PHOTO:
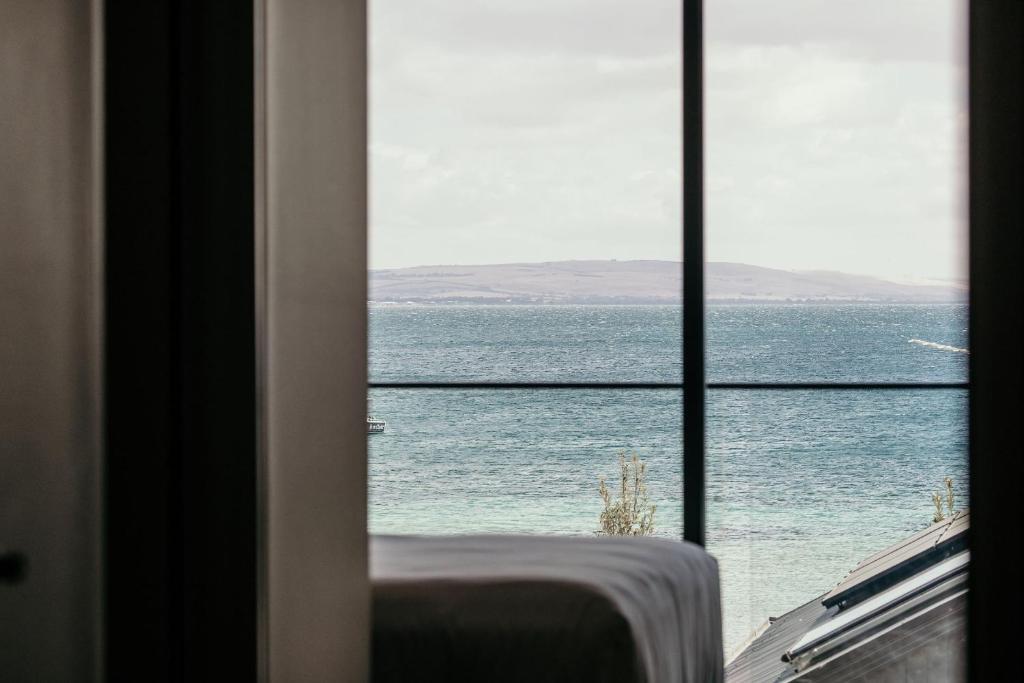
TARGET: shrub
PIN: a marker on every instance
(631, 514)
(938, 500)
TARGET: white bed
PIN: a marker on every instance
(542, 608)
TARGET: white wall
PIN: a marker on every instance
(311, 80)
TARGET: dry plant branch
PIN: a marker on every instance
(631, 514)
(947, 501)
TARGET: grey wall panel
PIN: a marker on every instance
(49, 339)
(314, 129)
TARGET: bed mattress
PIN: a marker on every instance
(536, 608)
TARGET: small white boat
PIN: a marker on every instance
(375, 425)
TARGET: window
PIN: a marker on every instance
(835, 143)
(527, 193)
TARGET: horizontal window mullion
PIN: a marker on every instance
(524, 385)
(750, 386)
(833, 386)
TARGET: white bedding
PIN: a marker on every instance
(536, 608)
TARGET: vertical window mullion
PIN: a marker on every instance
(693, 273)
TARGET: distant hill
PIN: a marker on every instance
(639, 282)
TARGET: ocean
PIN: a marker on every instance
(801, 484)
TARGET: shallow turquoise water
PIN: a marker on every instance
(801, 484)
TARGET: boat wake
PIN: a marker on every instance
(940, 347)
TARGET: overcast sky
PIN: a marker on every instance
(540, 130)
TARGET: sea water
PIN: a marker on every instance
(801, 484)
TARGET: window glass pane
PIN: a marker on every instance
(836, 175)
(524, 156)
(518, 461)
(803, 485)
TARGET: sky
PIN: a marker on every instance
(542, 130)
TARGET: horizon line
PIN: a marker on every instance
(962, 280)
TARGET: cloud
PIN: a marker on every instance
(530, 131)
(899, 30)
(592, 28)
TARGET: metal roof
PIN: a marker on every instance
(762, 661)
(897, 562)
(903, 602)
(903, 592)
(921, 639)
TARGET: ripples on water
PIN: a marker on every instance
(801, 484)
